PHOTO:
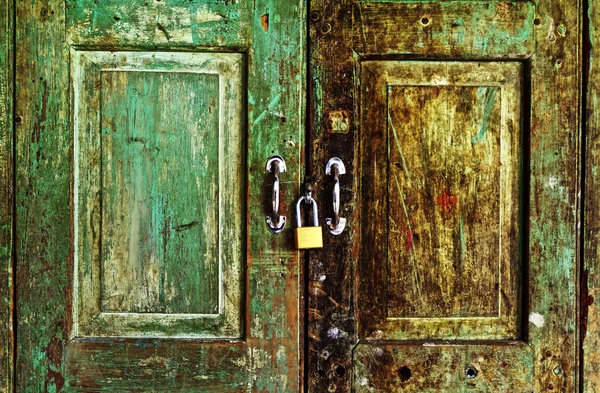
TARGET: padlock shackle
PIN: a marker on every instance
(313, 203)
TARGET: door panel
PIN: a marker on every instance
(144, 260)
(458, 125)
(443, 149)
(162, 205)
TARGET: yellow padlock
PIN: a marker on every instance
(308, 237)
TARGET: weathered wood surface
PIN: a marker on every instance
(444, 29)
(590, 280)
(6, 196)
(158, 367)
(545, 34)
(270, 34)
(176, 23)
(554, 190)
(445, 367)
(442, 146)
(160, 193)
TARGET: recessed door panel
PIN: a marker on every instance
(443, 148)
(160, 190)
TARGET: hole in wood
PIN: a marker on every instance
(404, 373)
(340, 371)
(471, 372)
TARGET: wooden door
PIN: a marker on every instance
(142, 133)
(458, 125)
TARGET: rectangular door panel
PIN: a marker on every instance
(443, 150)
(160, 190)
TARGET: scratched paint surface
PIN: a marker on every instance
(139, 134)
(443, 193)
(545, 37)
(443, 146)
(161, 192)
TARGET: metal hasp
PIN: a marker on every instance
(335, 167)
(275, 222)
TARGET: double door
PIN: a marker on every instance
(147, 255)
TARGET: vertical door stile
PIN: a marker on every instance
(590, 280)
(6, 196)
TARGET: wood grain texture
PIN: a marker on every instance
(175, 367)
(6, 196)
(555, 147)
(443, 149)
(159, 179)
(448, 29)
(266, 357)
(546, 36)
(590, 281)
(443, 368)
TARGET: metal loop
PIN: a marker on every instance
(336, 195)
(275, 222)
(315, 211)
(335, 167)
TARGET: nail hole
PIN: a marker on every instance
(18, 119)
(559, 62)
(315, 16)
(283, 119)
(471, 372)
(340, 371)
(557, 370)
(550, 387)
(116, 18)
(537, 21)
(548, 354)
(404, 373)
(326, 28)
(425, 20)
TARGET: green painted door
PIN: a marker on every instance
(142, 257)
(458, 126)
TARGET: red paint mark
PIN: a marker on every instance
(446, 201)
(409, 240)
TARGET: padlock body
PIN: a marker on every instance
(309, 237)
